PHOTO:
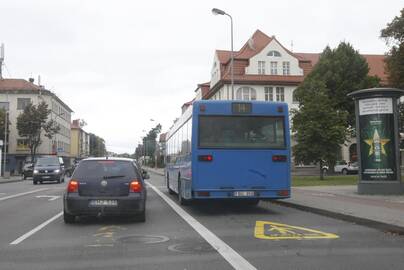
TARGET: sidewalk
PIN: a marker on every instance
(385, 213)
(382, 212)
(10, 179)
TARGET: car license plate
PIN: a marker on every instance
(45, 177)
(243, 193)
(103, 203)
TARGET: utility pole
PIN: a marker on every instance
(1, 60)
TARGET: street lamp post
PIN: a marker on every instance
(5, 141)
(217, 11)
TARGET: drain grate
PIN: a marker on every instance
(143, 239)
(191, 248)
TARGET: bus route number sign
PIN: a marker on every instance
(241, 108)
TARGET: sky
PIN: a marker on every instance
(119, 64)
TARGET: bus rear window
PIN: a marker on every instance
(241, 132)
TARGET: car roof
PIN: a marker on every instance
(109, 158)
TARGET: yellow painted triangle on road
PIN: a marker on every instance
(278, 231)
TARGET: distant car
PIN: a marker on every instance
(27, 170)
(49, 168)
(343, 167)
(105, 186)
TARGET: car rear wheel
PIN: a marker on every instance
(35, 182)
(67, 218)
(141, 217)
(24, 176)
(345, 171)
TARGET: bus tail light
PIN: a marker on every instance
(279, 158)
(203, 193)
(135, 186)
(73, 186)
(283, 193)
(205, 158)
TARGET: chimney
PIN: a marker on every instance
(31, 80)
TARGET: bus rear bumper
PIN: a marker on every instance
(241, 194)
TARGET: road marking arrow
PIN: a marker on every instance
(50, 197)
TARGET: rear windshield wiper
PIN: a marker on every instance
(113, 176)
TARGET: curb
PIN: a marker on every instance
(152, 171)
(10, 181)
(381, 226)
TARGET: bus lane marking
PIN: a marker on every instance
(278, 231)
(229, 254)
(36, 229)
(22, 194)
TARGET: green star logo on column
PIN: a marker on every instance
(377, 139)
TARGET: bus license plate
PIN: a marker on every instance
(243, 193)
(103, 203)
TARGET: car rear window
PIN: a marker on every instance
(105, 169)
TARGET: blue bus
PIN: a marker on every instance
(229, 150)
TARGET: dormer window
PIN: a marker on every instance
(274, 53)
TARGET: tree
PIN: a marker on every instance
(343, 70)
(394, 37)
(318, 128)
(33, 122)
(2, 124)
(97, 146)
(150, 142)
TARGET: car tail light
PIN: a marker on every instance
(279, 158)
(73, 186)
(135, 186)
(205, 158)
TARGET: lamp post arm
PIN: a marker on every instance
(231, 57)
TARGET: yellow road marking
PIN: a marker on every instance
(278, 231)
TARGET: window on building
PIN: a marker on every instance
(261, 67)
(246, 93)
(274, 68)
(294, 99)
(22, 103)
(22, 145)
(4, 106)
(268, 93)
(280, 94)
(274, 53)
(286, 68)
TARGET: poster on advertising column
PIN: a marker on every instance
(377, 139)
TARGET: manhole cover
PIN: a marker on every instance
(143, 239)
(191, 248)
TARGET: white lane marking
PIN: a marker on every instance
(50, 197)
(229, 254)
(22, 194)
(36, 229)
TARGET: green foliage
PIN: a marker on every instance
(148, 148)
(343, 70)
(326, 115)
(334, 180)
(97, 146)
(33, 122)
(394, 37)
(2, 124)
(318, 128)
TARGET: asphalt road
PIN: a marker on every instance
(207, 235)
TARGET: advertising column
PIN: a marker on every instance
(378, 140)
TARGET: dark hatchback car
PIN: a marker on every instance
(48, 169)
(105, 186)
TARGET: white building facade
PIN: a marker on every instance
(15, 95)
